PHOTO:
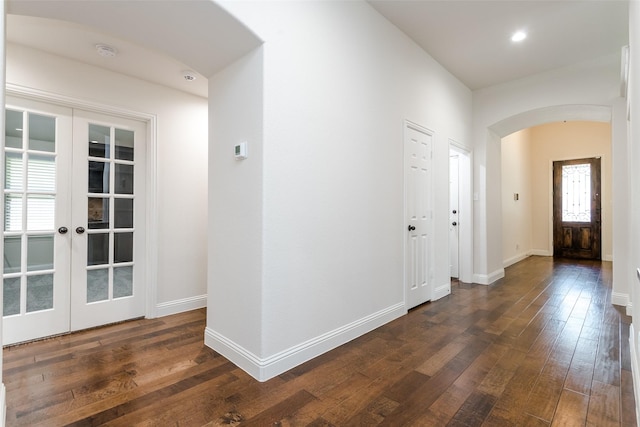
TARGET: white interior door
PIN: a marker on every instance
(454, 215)
(108, 216)
(419, 213)
(36, 207)
(73, 235)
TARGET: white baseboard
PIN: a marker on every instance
(509, 262)
(181, 305)
(487, 279)
(608, 257)
(442, 291)
(540, 252)
(3, 405)
(623, 300)
(634, 368)
(264, 369)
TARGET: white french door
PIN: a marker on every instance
(74, 220)
(418, 206)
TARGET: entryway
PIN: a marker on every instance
(576, 209)
(74, 235)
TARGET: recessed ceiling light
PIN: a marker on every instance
(189, 75)
(106, 51)
(518, 36)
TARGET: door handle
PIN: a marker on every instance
(63, 230)
(455, 211)
(411, 228)
(454, 223)
(80, 230)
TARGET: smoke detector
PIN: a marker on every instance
(189, 75)
(106, 51)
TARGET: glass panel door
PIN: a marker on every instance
(109, 219)
(73, 237)
(36, 256)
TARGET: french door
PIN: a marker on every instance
(74, 220)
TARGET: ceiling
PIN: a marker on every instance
(156, 40)
(472, 39)
(469, 38)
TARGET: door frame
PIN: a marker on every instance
(604, 213)
(150, 268)
(465, 205)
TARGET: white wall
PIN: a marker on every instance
(517, 222)
(234, 309)
(579, 92)
(339, 81)
(181, 160)
(634, 174)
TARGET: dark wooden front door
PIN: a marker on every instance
(576, 209)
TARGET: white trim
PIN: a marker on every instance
(3, 405)
(151, 261)
(515, 259)
(263, 369)
(635, 374)
(441, 291)
(180, 306)
(620, 299)
(607, 257)
(540, 252)
(487, 279)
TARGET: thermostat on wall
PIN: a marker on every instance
(241, 151)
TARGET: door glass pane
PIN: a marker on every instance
(99, 141)
(97, 285)
(39, 292)
(122, 282)
(124, 179)
(11, 295)
(98, 212)
(42, 133)
(41, 173)
(40, 212)
(124, 144)
(123, 247)
(39, 253)
(13, 129)
(98, 249)
(123, 213)
(576, 193)
(13, 212)
(12, 254)
(98, 177)
(13, 171)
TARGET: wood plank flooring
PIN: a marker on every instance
(541, 347)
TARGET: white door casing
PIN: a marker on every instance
(454, 210)
(418, 143)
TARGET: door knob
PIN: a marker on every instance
(63, 230)
(411, 228)
(454, 223)
(455, 211)
(80, 230)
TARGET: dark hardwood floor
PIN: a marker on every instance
(543, 346)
